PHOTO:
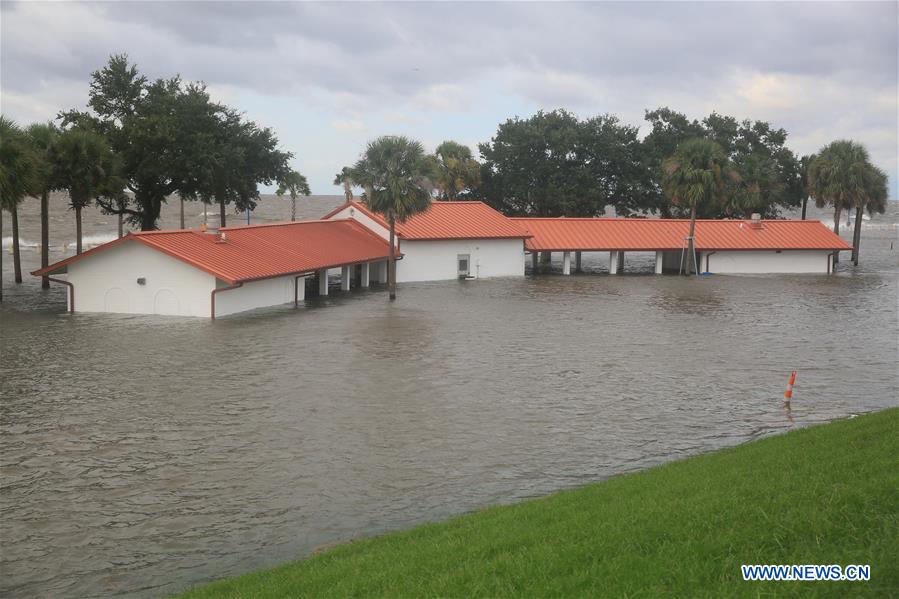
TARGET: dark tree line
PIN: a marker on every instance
(555, 164)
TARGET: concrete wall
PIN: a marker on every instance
(257, 294)
(761, 262)
(107, 282)
(436, 260)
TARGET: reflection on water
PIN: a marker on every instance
(141, 455)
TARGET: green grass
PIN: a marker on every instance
(827, 494)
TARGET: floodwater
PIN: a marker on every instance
(142, 455)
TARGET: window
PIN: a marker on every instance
(463, 262)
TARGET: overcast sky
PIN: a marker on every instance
(330, 76)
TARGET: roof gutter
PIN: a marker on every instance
(71, 287)
(217, 290)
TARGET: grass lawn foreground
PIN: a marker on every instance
(827, 494)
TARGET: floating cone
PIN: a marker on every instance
(789, 392)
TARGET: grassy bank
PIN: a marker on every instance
(828, 494)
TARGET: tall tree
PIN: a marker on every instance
(770, 174)
(873, 196)
(345, 178)
(697, 174)
(396, 174)
(42, 137)
(532, 167)
(839, 176)
(200, 149)
(19, 178)
(83, 165)
(295, 185)
(456, 170)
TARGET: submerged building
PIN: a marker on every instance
(223, 271)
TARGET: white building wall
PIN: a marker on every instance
(258, 294)
(437, 260)
(107, 282)
(762, 262)
(363, 219)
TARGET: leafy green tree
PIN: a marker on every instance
(20, 172)
(295, 185)
(456, 170)
(396, 175)
(345, 179)
(697, 174)
(554, 164)
(534, 167)
(770, 174)
(42, 136)
(200, 149)
(84, 166)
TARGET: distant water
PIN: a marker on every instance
(141, 455)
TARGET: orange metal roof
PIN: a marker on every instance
(636, 234)
(259, 251)
(448, 220)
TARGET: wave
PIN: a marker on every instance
(87, 241)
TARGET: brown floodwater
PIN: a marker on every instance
(142, 455)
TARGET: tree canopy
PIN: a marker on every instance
(170, 137)
(770, 175)
(457, 172)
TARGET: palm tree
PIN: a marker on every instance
(345, 178)
(42, 137)
(82, 163)
(394, 170)
(697, 173)
(295, 184)
(837, 177)
(456, 170)
(19, 178)
(873, 196)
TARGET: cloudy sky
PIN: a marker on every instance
(330, 76)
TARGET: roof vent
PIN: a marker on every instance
(755, 221)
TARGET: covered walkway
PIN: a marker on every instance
(668, 239)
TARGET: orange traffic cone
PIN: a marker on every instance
(789, 392)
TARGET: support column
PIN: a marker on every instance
(535, 262)
(659, 256)
(363, 281)
(566, 263)
(323, 282)
(382, 278)
(577, 262)
(613, 263)
(346, 273)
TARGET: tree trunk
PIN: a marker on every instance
(837, 212)
(182, 210)
(121, 225)
(78, 230)
(45, 236)
(804, 206)
(16, 256)
(857, 233)
(391, 264)
(691, 248)
(293, 208)
(222, 210)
